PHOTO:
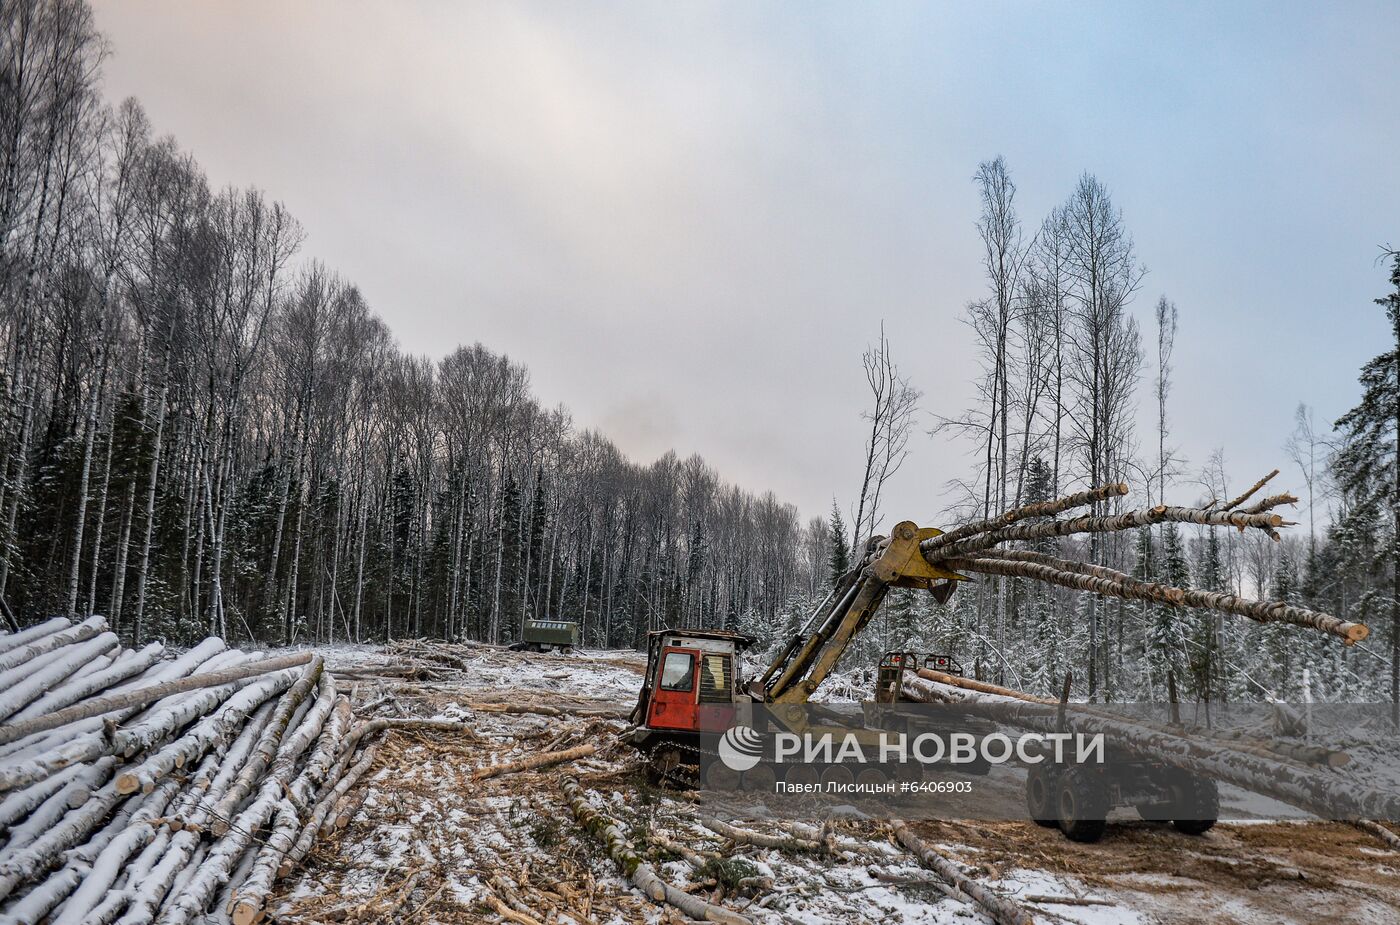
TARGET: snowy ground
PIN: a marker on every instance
(431, 845)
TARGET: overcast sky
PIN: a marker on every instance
(688, 219)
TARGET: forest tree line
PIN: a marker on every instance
(206, 431)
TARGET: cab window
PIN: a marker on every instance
(714, 679)
(678, 671)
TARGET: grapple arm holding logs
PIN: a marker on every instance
(894, 561)
(929, 558)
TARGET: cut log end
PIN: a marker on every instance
(1355, 632)
(246, 912)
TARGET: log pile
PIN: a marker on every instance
(981, 548)
(138, 787)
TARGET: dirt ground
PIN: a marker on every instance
(430, 844)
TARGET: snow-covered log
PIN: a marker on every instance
(340, 786)
(213, 730)
(323, 756)
(1002, 910)
(638, 872)
(216, 771)
(46, 850)
(71, 796)
(76, 689)
(10, 641)
(116, 766)
(266, 749)
(11, 659)
(761, 839)
(251, 895)
(1312, 789)
(19, 804)
(292, 727)
(167, 681)
(139, 831)
(52, 675)
(537, 760)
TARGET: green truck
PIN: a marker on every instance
(548, 636)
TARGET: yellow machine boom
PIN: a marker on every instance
(890, 562)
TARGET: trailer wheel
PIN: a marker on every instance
(1040, 796)
(1198, 805)
(1083, 804)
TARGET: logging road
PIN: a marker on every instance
(430, 844)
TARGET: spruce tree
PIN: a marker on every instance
(1366, 468)
(539, 518)
(840, 561)
(1169, 627)
(1204, 664)
(509, 565)
(1045, 656)
(1279, 642)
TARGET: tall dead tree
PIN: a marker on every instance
(1105, 359)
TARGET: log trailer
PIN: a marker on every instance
(691, 689)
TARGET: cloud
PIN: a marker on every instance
(688, 220)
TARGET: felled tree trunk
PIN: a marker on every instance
(1307, 788)
(64, 636)
(537, 760)
(144, 695)
(1132, 589)
(251, 895)
(637, 871)
(1387, 836)
(266, 749)
(1041, 509)
(1089, 523)
(210, 732)
(52, 675)
(76, 689)
(1002, 910)
(323, 808)
(760, 839)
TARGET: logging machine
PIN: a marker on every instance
(691, 686)
(691, 689)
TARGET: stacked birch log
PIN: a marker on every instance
(138, 788)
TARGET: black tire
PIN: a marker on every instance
(1082, 805)
(1198, 805)
(1040, 796)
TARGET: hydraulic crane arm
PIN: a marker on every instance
(893, 561)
